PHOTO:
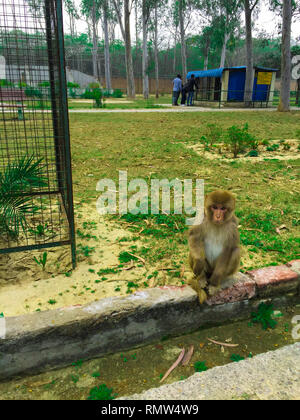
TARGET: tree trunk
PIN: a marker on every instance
(156, 54)
(249, 55)
(285, 90)
(223, 54)
(95, 43)
(182, 40)
(174, 56)
(298, 93)
(106, 49)
(145, 51)
(206, 53)
(128, 52)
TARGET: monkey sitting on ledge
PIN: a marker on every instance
(214, 244)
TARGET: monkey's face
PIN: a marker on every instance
(218, 212)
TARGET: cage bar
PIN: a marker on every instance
(34, 125)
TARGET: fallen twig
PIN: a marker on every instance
(188, 356)
(223, 344)
(174, 365)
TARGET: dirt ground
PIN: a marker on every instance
(263, 153)
(26, 287)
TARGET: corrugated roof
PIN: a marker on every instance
(218, 72)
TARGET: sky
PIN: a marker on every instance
(266, 21)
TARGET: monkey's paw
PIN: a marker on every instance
(213, 290)
(202, 296)
(202, 282)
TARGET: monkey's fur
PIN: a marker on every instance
(214, 244)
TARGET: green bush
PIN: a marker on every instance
(239, 139)
(5, 83)
(18, 179)
(73, 85)
(102, 392)
(31, 92)
(117, 93)
(214, 134)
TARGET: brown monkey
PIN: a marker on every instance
(214, 245)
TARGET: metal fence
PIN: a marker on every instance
(258, 98)
(31, 40)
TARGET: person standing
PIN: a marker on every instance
(177, 86)
(191, 90)
(183, 94)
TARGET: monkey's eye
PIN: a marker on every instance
(223, 208)
(214, 207)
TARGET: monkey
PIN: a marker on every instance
(214, 244)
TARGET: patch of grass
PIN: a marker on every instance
(264, 316)
(101, 392)
(200, 366)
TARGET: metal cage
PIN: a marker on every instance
(34, 120)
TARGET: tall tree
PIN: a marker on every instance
(106, 15)
(285, 90)
(125, 30)
(249, 6)
(146, 9)
(71, 10)
(90, 9)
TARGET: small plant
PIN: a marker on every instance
(52, 301)
(264, 316)
(286, 146)
(236, 357)
(95, 374)
(42, 260)
(253, 153)
(204, 140)
(101, 392)
(85, 250)
(200, 366)
(125, 257)
(17, 179)
(239, 139)
(214, 134)
(273, 148)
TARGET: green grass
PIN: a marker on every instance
(151, 145)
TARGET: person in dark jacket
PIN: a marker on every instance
(191, 90)
(183, 94)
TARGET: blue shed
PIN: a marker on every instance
(227, 84)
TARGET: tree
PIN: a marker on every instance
(285, 90)
(106, 16)
(91, 10)
(71, 10)
(249, 6)
(146, 9)
(125, 30)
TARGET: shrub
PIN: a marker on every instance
(102, 392)
(214, 133)
(5, 83)
(239, 139)
(117, 93)
(17, 179)
(33, 93)
(73, 85)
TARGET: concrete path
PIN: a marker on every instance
(269, 376)
(175, 109)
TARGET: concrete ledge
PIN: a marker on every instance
(274, 375)
(41, 341)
